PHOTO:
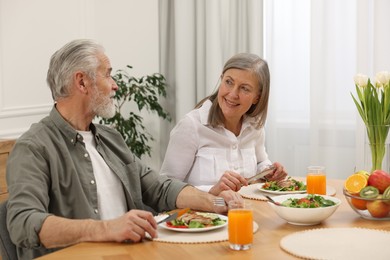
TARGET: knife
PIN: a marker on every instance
(173, 214)
(261, 174)
(168, 218)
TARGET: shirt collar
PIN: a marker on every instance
(66, 129)
(204, 112)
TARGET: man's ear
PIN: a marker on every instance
(79, 80)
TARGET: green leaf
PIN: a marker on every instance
(145, 92)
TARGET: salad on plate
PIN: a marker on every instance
(286, 185)
(196, 220)
(310, 201)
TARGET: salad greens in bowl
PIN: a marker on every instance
(305, 209)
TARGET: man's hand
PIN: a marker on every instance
(227, 195)
(62, 232)
(132, 226)
(228, 181)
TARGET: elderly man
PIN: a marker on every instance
(71, 180)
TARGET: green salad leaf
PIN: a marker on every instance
(310, 201)
(294, 185)
(195, 224)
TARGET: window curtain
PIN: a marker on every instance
(313, 48)
(196, 39)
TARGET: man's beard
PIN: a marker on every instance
(102, 105)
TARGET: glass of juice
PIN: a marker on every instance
(240, 224)
(316, 180)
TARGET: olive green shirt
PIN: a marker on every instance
(49, 172)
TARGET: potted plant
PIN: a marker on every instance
(145, 93)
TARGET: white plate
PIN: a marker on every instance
(191, 230)
(260, 187)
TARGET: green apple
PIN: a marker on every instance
(364, 173)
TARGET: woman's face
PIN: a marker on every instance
(237, 93)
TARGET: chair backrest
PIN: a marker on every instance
(7, 248)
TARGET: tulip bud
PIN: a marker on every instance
(382, 78)
(361, 80)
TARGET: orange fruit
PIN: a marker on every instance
(359, 204)
(355, 183)
(364, 173)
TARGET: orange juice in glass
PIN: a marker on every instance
(316, 180)
(240, 225)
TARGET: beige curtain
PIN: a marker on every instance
(196, 38)
(313, 47)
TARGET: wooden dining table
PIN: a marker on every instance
(266, 244)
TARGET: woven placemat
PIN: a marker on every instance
(217, 235)
(338, 243)
(252, 192)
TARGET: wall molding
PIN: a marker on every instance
(41, 109)
(13, 134)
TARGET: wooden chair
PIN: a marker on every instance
(5, 148)
(7, 248)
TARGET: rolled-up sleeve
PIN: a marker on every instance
(27, 179)
(159, 191)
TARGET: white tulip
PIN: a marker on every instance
(361, 80)
(382, 78)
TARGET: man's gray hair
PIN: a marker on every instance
(77, 55)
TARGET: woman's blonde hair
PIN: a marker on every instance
(259, 67)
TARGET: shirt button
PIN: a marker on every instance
(92, 182)
(85, 155)
(71, 140)
(234, 146)
(96, 211)
(235, 167)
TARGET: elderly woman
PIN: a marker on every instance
(220, 143)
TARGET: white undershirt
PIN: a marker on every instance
(111, 197)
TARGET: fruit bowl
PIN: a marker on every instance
(303, 216)
(373, 209)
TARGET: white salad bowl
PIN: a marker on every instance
(303, 216)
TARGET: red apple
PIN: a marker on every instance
(379, 179)
(378, 208)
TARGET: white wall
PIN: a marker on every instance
(30, 31)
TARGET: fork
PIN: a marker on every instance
(272, 201)
(168, 218)
(219, 201)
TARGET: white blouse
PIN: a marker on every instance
(199, 154)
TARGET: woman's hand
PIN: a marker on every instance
(278, 174)
(228, 181)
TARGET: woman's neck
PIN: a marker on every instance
(234, 126)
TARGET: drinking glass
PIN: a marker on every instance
(316, 180)
(240, 225)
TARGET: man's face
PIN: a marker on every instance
(103, 92)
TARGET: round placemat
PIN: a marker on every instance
(252, 192)
(216, 235)
(338, 243)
